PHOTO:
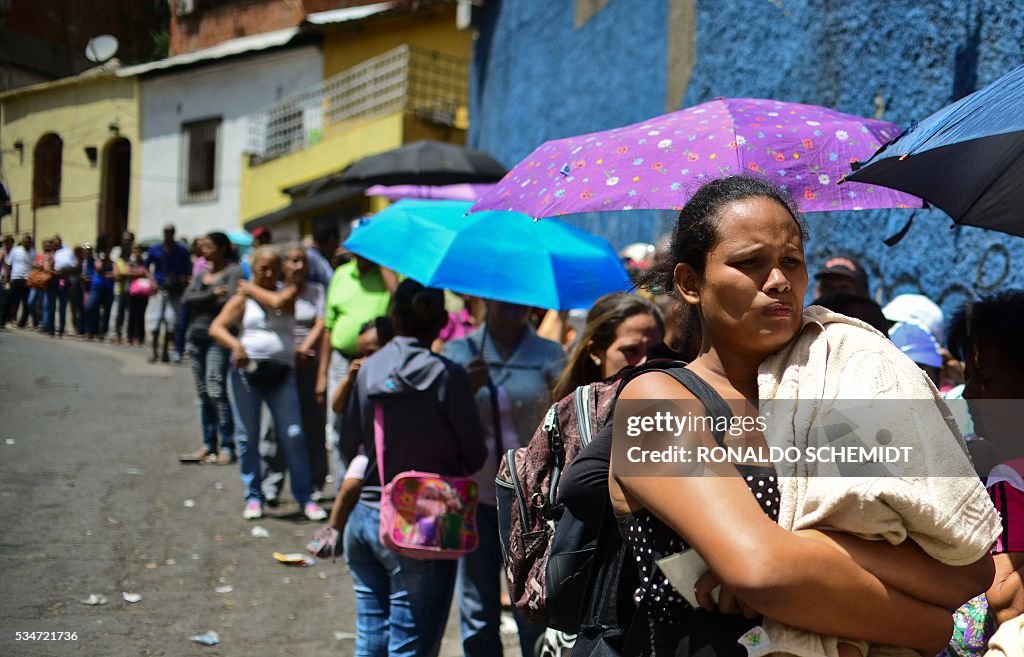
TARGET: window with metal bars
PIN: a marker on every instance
(199, 160)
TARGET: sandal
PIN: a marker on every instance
(225, 458)
(201, 456)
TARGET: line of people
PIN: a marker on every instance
(300, 360)
(737, 268)
(42, 287)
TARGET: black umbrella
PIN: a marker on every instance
(967, 158)
(425, 163)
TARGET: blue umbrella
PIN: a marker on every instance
(498, 255)
(967, 158)
(240, 238)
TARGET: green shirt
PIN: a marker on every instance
(353, 300)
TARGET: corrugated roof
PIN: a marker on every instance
(239, 46)
(320, 200)
(336, 16)
(106, 70)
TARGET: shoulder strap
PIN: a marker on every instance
(705, 394)
(581, 396)
(708, 396)
(378, 439)
(492, 390)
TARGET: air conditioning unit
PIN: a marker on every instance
(467, 14)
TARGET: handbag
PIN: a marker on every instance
(141, 287)
(266, 373)
(424, 515)
(325, 543)
(39, 278)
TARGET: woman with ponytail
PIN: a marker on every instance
(206, 295)
(429, 424)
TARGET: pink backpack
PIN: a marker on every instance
(424, 515)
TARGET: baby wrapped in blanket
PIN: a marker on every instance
(841, 383)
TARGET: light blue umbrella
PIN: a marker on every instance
(498, 255)
(240, 238)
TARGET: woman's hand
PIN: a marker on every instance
(728, 602)
(345, 386)
(1006, 593)
(239, 357)
(220, 291)
(243, 287)
(321, 390)
(477, 371)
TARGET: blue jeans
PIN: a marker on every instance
(179, 332)
(55, 299)
(313, 422)
(337, 367)
(209, 362)
(401, 604)
(479, 591)
(97, 311)
(283, 401)
(35, 295)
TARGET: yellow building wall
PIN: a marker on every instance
(346, 46)
(81, 113)
(417, 129)
(262, 184)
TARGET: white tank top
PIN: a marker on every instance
(267, 334)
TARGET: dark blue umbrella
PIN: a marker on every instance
(498, 255)
(967, 158)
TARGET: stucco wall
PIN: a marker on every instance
(536, 77)
(230, 90)
(80, 112)
(433, 28)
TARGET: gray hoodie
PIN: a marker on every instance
(430, 418)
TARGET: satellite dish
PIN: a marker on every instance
(101, 48)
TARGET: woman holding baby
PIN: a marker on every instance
(782, 557)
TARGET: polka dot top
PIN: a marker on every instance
(650, 540)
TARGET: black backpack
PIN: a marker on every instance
(548, 552)
(606, 621)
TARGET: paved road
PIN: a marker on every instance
(93, 501)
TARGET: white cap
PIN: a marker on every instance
(917, 309)
(637, 251)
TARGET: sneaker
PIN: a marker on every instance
(253, 510)
(312, 511)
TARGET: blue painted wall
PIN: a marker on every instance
(535, 77)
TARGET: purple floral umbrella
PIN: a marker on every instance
(660, 163)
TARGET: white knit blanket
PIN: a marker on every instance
(937, 501)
